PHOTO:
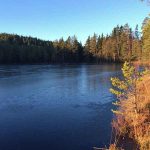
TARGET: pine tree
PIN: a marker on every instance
(99, 46)
(132, 113)
(146, 40)
(87, 53)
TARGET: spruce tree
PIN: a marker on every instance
(146, 40)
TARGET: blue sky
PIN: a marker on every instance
(52, 19)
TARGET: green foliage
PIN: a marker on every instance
(122, 87)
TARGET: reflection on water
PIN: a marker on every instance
(55, 106)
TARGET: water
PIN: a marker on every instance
(55, 107)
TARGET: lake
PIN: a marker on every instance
(55, 107)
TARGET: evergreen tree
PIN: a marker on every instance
(146, 40)
(122, 44)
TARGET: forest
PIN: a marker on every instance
(122, 44)
(131, 110)
(132, 113)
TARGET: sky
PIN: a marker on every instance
(53, 19)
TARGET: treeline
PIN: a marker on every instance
(131, 123)
(122, 44)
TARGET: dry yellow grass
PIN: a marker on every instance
(141, 63)
(133, 114)
(143, 130)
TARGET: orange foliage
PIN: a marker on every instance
(134, 119)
